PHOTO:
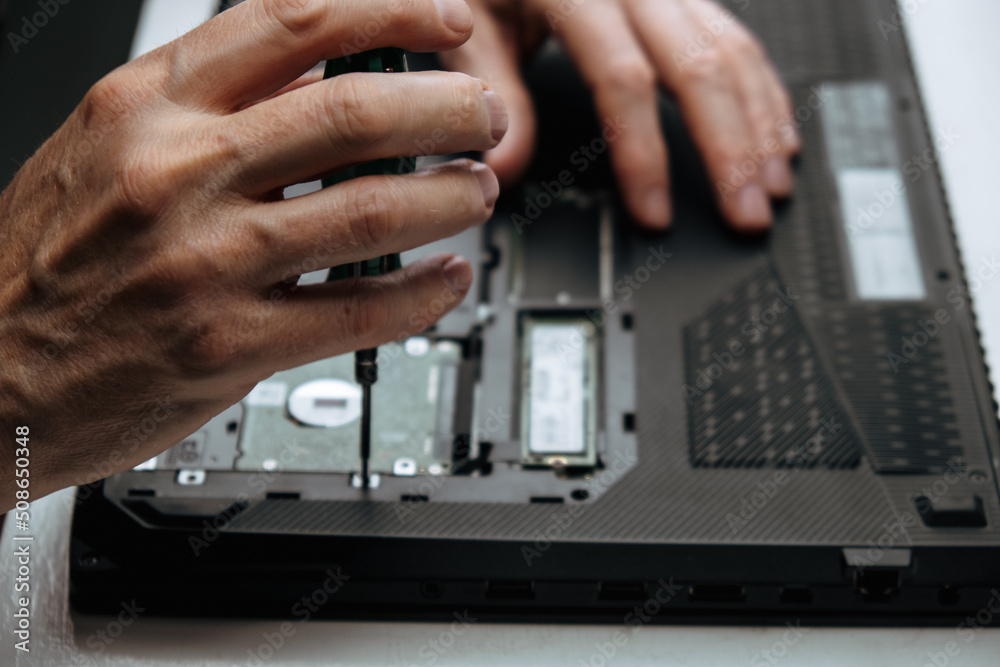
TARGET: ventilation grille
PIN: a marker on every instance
(757, 395)
(902, 404)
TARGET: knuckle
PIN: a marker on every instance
(746, 46)
(151, 176)
(203, 335)
(298, 17)
(729, 153)
(632, 75)
(760, 119)
(371, 214)
(355, 123)
(468, 92)
(144, 182)
(468, 197)
(708, 68)
(44, 268)
(107, 100)
(208, 349)
(262, 237)
(219, 161)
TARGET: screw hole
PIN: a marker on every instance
(579, 494)
(231, 427)
(628, 422)
(943, 275)
(627, 321)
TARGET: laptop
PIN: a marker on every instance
(617, 426)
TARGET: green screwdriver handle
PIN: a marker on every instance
(377, 60)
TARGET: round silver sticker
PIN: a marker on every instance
(328, 403)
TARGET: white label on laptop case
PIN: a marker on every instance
(876, 217)
(875, 214)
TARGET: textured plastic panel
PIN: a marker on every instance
(905, 405)
(757, 391)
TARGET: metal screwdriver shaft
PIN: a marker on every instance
(366, 361)
(365, 374)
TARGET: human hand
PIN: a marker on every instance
(729, 93)
(148, 277)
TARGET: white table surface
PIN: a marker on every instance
(956, 51)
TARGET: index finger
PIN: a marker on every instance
(260, 46)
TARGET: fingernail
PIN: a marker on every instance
(455, 14)
(458, 274)
(657, 207)
(777, 176)
(498, 114)
(753, 207)
(488, 183)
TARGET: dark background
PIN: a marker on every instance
(42, 83)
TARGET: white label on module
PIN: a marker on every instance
(557, 403)
(880, 234)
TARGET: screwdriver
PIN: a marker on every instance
(366, 361)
